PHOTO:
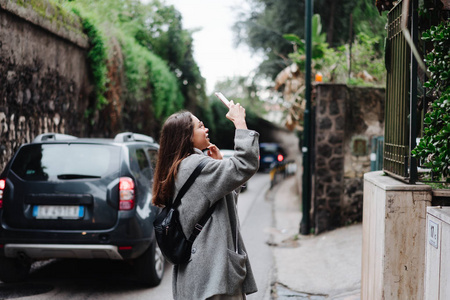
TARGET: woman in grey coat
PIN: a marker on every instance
(219, 267)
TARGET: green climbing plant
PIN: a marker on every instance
(97, 57)
(149, 77)
(434, 147)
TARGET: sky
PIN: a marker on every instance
(214, 49)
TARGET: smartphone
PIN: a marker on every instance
(223, 99)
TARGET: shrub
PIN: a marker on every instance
(434, 148)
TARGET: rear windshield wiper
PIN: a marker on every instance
(76, 176)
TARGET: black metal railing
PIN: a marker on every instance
(401, 94)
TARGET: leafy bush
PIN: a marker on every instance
(367, 64)
(143, 68)
(434, 148)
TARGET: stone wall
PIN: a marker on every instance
(44, 76)
(346, 119)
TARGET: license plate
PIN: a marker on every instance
(58, 211)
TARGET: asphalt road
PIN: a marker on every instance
(87, 279)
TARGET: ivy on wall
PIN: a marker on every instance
(148, 78)
(143, 67)
(97, 57)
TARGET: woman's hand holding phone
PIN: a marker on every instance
(236, 113)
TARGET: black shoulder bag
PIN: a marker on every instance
(174, 245)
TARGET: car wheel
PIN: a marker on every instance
(149, 267)
(13, 269)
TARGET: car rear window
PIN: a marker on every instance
(65, 161)
(269, 149)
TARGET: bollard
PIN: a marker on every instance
(272, 177)
(284, 169)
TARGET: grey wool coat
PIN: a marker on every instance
(216, 267)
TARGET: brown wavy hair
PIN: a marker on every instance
(175, 145)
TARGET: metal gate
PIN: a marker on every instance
(401, 94)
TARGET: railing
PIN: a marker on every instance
(401, 94)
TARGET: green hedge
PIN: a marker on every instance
(434, 147)
(144, 70)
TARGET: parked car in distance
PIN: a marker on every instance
(270, 154)
(85, 198)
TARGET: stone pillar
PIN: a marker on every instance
(328, 180)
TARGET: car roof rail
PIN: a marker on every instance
(123, 137)
(143, 138)
(130, 136)
(51, 136)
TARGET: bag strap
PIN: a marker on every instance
(199, 226)
(188, 183)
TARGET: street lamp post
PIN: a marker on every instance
(305, 225)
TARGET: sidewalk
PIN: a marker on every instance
(326, 266)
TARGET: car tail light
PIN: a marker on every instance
(2, 188)
(126, 193)
(280, 157)
(122, 248)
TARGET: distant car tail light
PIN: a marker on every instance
(126, 193)
(280, 157)
(2, 188)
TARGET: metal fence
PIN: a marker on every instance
(401, 94)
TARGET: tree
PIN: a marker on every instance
(242, 90)
(164, 35)
(263, 28)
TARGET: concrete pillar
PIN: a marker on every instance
(394, 236)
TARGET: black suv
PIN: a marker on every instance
(270, 154)
(68, 197)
